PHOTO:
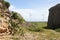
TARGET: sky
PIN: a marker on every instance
(33, 10)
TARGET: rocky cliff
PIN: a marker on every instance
(9, 20)
(4, 17)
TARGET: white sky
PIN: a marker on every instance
(33, 10)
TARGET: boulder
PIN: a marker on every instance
(3, 25)
(3, 30)
(54, 17)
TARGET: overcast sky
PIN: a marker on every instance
(33, 10)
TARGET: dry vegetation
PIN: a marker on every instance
(26, 34)
(19, 29)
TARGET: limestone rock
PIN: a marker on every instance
(3, 25)
(4, 21)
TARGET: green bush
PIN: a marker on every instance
(21, 20)
(7, 4)
(15, 28)
(14, 15)
(15, 22)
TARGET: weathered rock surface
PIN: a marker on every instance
(4, 18)
(54, 17)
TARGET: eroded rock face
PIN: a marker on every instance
(54, 17)
(4, 18)
(3, 25)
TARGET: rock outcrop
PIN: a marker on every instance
(4, 17)
(54, 17)
(9, 20)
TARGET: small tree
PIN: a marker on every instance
(14, 15)
(7, 4)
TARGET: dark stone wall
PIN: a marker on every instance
(54, 17)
